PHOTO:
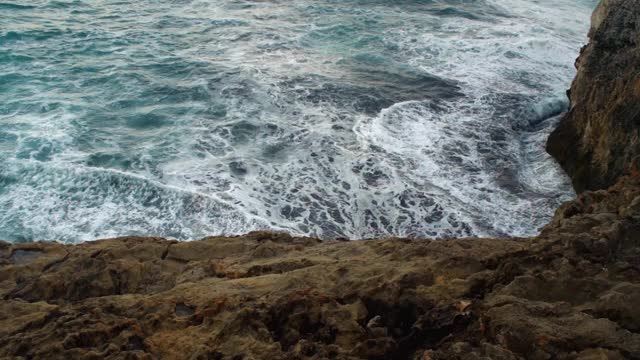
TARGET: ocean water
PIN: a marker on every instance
(329, 118)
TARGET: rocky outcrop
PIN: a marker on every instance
(599, 139)
(571, 293)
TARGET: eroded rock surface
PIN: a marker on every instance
(571, 293)
(600, 137)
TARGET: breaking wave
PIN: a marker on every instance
(352, 119)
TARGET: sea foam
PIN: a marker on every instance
(333, 119)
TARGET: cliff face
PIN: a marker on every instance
(598, 140)
(573, 292)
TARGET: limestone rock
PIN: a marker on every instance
(570, 293)
(599, 138)
(573, 292)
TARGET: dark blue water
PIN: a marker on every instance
(356, 118)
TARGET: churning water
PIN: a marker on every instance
(331, 118)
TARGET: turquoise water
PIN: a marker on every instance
(356, 118)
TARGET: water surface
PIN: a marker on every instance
(349, 118)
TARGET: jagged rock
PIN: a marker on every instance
(598, 140)
(570, 293)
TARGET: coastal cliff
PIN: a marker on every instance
(570, 293)
(599, 138)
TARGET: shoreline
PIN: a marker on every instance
(570, 292)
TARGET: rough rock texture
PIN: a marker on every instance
(600, 136)
(571, 293)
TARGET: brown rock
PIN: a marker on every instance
(597, 141)
(570, 293)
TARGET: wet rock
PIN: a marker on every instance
(24, 256)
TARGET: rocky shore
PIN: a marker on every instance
(599, 137)
(573, 292)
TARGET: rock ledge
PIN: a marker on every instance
(573, 292)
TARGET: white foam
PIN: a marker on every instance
(313, 166)
(83, 203)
